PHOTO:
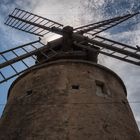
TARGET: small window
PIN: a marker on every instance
(101, 89)
(29, 92)
(75, 87)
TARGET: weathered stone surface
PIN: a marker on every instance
(59, 102)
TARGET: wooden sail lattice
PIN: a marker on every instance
(17, 60)
(98, 27)
(114, 49)
(30, 23)
(20, 59)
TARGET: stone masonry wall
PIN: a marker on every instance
(68, 100)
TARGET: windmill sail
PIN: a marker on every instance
(113, 49)
(31, 23)
(23, 58)
(17, 60)
(95, 28)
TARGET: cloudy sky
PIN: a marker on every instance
(76, 13)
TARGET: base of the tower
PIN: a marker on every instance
(68, 100)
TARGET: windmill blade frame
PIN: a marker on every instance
(111, 48)
(98, 27)
(37, 25)
(32, 23)
(25, 56)
(108, 54)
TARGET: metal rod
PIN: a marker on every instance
(21, 60)
(10, 64)
(52, 44)
(120, 19)
(115, 42)
(25, 24)
(28, 52)
(12, 14)
(28, 32)
(2, 75)
(110, 26)
(107, 46)
(19, 21)
(20, 47)
(18, 12)
(38, 23)
(30, 25)
(42, 17)
(25, 70)
(43, 30)
(95, 27)
(104, 21)
(53, 29)
(108, 54)
(40, 52)
(15, 20)
(120, 58)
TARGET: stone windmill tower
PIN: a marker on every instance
(66, 95)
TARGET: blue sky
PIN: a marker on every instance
(76, 13)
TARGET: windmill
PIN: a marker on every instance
(75, 44)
